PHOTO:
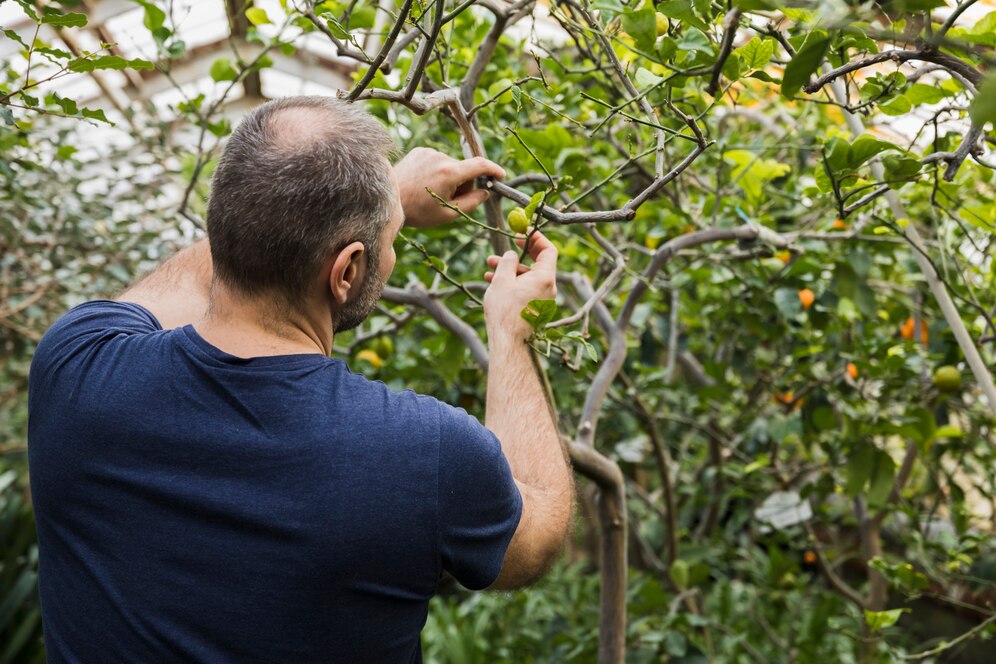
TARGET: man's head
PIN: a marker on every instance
(301, 180)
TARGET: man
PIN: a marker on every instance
(210, 486)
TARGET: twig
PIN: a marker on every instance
(384, 50)
(951, 644)
(419, 296)
(943, 59)
(730, 25)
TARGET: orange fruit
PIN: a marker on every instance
(807, 298)
(852, 370)
(809, 557)
(908, 327)
(839, 225)
(784, 256)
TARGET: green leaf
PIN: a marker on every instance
(72, 20)
(362, 18)
(16, 37)
(761, 461)
(866, 147)
(641, 25)
(682, 10)
(983, 107)
(95, 114)
(534, 202)
(918, 93)
(28, 9)
(900, 168)
(752, 172)
(68, 105)
(757, 52)
(539, 312)
(257, 16)
(7, 116)
(644, 78)
(882, 476)
(898, 105)
(154, 16)
(222, 70)
(981, 216)
(806, 61)
(859, 469)
(948, 431)
(107, 62)
(877, 620)
(838, 152)
(54, 52)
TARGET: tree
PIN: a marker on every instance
(775, 224)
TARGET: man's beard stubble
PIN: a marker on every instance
(356, 311)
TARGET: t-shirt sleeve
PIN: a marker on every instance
(86, 327)
(479, 503)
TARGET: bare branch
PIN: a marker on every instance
(419, 296)
(925, 54)
(730, 25)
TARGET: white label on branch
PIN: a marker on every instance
(781, 510)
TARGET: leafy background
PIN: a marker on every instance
(758, 326)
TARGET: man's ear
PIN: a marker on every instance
(348, 270)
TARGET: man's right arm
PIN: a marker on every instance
(518, 414)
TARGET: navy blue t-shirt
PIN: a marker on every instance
(196, 506)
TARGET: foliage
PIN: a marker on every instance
(740, 195)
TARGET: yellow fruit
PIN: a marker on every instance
(947, 379)
(662, 24)
(369, 356)
(518, 221)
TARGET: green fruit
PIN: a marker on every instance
(947, 379)
(518, 221)
(662, 24)
(679, 574)
(383, 346)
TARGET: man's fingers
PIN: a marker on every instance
(506, 269)
(470, 169)
(492, 262)
(541, 250)
(469, 201)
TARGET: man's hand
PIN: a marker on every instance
(450, 179)
(518, 413)
(513, 285)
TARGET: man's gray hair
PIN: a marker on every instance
(298, 180)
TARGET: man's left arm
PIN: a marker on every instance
(178, 291)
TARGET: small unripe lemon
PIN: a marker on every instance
(679, 573)
(662, 24)
(947, 379)
(518, 221)
(383, 346)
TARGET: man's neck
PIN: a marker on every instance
(256, 328)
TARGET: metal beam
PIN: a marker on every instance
(101, 11)
(196, 64)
